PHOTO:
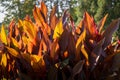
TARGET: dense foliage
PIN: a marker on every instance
(52, 48)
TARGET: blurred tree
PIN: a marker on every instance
(17, 9)
(62, 5)
(98, 9)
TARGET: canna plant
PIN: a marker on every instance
(52, 48)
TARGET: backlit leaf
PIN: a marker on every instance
(84, 52)
(53, 11)
(3, 35)
(4, 60)
(44, 9)
(90, 25)
(11, 27)
(30, 29)
(13, 52)
(20, 23)
(53, 18)
(30, 46)
(36, 17)
(79, 27)
(39, 18)
(43, 47)
(25, 40)
(58, 30)
(15, 43)
(79, 44)
(81, 38)
(35, 58)
(38, 64)
(102, 22)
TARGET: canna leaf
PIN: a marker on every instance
(15, 43)
(96, 53)
(36, 17)
(20, 23)
(79, 44)
(58, 30)
(17, 33)
(3, 35)
(4, 60)
(53, 11)
(85, 54)
(13, 52)
(54, 48)
(35, 58)
(81, 38)
(43, 48)
(52, 73)
(116, 62)
(109, 32)
(38, 64)
(90, 25)
(39, 18)
(64, 41)
(53, 22)
(30, 46)
(46, 38)
(11, 27)
(78, 67)
(102, 22)
(71, 46)
(53, 18)
(79, 28)
(30, 29)
(1, 47)
(25, 40)
(44, 9)
(26, 56)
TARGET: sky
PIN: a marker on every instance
(2, 15)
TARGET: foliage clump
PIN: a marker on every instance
(52, 48)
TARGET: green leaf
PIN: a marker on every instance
(3, 35)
